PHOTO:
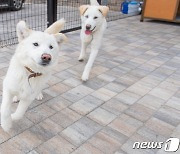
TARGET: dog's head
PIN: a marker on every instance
(92, 17)
(39, 48)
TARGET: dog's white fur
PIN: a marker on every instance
(93, 15)
(16, 82)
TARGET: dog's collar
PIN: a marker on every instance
(33, 74)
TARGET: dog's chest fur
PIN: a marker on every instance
(19, 84)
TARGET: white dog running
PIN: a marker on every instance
(30, 69)
(93, 27)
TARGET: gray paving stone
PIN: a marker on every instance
(77, 93)
(127, 97)
(159, 126)
(7, 147)
(120, 152)
(126, 125)
(3, 136)
(65, 117)
(105, 143)
(81, 131)
(115, 106)
(151, 135)
(103, 94)
(33, 152)
(162, 72)
(64, 75)
(56, 89)
(139, 73)
(115, 134)
(86, 105)
(20, 126)
(110, 64)
(72, 82)
(54, 145)
(174, 103)
(140, 112)
(25, 141)
(115, 87)
(101, 116)
(39, 113)
(45, 130)
(139, 89)
(162, 93)
(151, 101)
(93, 100)
(87, 149)
(58, 103)
(95, 83)
(127, 80)
(168, 115)
(106, 77)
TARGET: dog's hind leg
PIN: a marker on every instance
(6, 121)
(83, 50)
(89, 64)
(21, 109)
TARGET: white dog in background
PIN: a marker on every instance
(93, 27)
(30, 68)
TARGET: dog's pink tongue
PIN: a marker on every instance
(88, 32)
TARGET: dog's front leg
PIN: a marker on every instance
(21, 109)
(39, 97)
(83, 50)
(6, 121)
(89, 64)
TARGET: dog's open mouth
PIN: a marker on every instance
(89, 32)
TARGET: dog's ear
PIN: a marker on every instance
(83, 9)
(56, 27)
(60, 38)
(22, 30)
(104, 10)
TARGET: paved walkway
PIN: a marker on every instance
(132, 95)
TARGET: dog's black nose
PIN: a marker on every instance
(88, 27)
(46, 58)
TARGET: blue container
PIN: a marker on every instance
(133, 7)
(124, 7)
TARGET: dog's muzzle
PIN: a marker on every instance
(45, 59)
(88, 30)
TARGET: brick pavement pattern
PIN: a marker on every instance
(132, 95)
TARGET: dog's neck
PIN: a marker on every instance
(33, 74)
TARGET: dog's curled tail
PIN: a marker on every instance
(56, 27)
(94, 2)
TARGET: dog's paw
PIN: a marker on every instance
(81, 59)
(85, 77)
(6, 124)
(16, 117)
(39, 97)
(15, 99)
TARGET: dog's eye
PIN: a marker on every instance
(95, 17)
(35, 44)
(87, 16)
(51, 47)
